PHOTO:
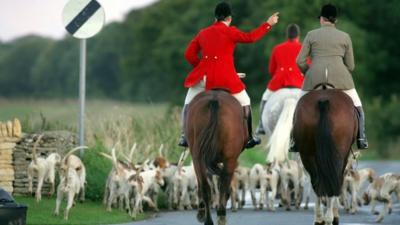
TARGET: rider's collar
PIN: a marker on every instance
(328, 25)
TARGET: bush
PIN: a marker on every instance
(383, 126)
(97, 169)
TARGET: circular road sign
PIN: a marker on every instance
(83, 18)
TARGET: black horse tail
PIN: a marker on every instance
(329, 176)
(208, 140)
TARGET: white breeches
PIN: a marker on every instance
(242, 96)
(266, 95)
(352, 93)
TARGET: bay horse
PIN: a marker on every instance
(324, 129)
(216, 129)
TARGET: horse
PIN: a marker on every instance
(216, 129)
(277, 120)
(324, 129)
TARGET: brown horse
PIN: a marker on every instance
(217, 133)
(324, 130)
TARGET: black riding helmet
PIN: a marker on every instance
(329, 12)
(222, 10)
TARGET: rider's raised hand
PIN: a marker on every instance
(272, 20)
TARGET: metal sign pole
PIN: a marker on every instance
(82, 87)
(83, 19)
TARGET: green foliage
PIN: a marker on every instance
(97, 169)
(82, 213)
(142, 59)
(383, 126)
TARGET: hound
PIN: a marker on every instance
(45, 169)
(120, 182)
(273, 183)
(168, 175)
(72, 161)
(70, 184)
(258, 179)
(150, 180)
(240, 183)
(381, 190)
(291, 177)
(185, 187)
(352, 185)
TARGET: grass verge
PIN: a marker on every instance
(88, 212)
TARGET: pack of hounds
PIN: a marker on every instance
(131, 186)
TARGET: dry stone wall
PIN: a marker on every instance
(10, 134)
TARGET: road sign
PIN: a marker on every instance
(83, 18)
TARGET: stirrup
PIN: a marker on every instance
(253, 141)
(362, 143)
(182, 142)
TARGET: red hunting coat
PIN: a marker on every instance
(283, 67)
(217, 44)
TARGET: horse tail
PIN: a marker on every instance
(279, 141)
(329, 176)
(208, 139)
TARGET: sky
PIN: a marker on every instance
(43, 17)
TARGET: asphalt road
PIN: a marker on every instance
(248, 216)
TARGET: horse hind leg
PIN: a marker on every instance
(318, 214)
(224, 190)
(204, 194)
(207, 203)
(336, 211)
(329, 218)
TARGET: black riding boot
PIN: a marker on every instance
(253, 141)
(362, 142)
(182, 140)
(260, 127)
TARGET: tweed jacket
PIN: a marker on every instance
(332, 58)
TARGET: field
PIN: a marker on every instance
(144, 123)
(148, 123)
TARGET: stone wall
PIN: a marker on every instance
(54, 141)
(10, 133)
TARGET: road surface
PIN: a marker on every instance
(248, 216)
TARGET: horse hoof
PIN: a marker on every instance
(319, 223)
(335, 221)
(201, 216)
(222, 220)
(210, 222)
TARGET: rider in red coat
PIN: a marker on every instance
(283, 68)
(215, 67)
